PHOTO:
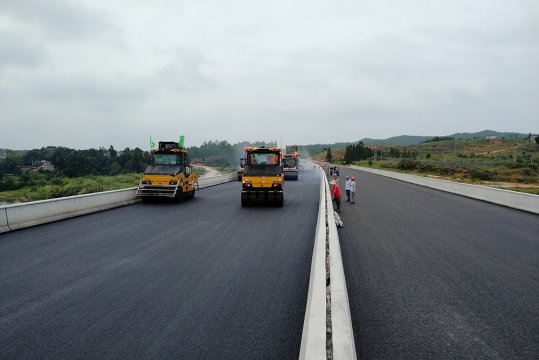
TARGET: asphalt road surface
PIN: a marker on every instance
(205, 279)
(432, 275)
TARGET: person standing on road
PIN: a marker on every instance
(347, 188)
(336, 192)
(353, 189)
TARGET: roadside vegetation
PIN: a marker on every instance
(47, 185)
(505, 163)
(53, 171)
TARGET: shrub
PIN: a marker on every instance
(426, 167)
(408, 164)
(481, 174)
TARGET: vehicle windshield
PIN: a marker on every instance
(167, 159)
(263, 159)
(289, 162)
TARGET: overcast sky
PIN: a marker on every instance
(97, 73)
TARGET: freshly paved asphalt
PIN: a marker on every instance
(205, 279)
(431, 275)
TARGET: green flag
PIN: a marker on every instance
(182, 139)
(152, 144)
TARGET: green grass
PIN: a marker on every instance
(529, 190)
(227, 170)
(63, 186)
(497, 163)
(199, 170)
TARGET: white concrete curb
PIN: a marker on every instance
(19, 216)
(3, 220)
(343, 334)
(313, 341)
(39, 212)
(513, 199)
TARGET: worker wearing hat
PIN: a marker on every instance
(336, 192)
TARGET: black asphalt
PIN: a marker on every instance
(431, 275)
(205, 279)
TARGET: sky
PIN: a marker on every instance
(96, 73)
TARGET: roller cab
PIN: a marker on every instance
(263, 179)
(169, 176)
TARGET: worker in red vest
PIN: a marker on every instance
(336, 193)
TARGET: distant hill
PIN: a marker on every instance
(482, 134)
(414, 140)
(397, 140)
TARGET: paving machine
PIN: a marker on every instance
(291, 166)
(262, 177)
(241, 168)
(169, 176)
(291, 163)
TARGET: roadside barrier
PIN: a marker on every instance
(19, 216)
(327, 328)
(512, 199)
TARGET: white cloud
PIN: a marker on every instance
(309, 71)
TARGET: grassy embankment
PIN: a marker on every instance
(511, 164)
(50, 186)
(41, 186)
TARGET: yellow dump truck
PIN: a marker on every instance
(169, 176)
(262, 177)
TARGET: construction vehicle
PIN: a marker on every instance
(241, 168)
(169, 176)
(291, 166)
(262, 177)
(291, 163)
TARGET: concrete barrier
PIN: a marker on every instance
(39, 212)
(314, 338)
(513, 199)
(3, 220)
(341, 320)
(18, 216)
(216, 180)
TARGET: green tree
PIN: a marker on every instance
(112, 153)
(329, 157)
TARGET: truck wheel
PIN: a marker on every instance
(279, 201)
(179, 196)
(244, 200)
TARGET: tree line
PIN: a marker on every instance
(109, 161)
(222, 153)
(76, 163)
(356, 152)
